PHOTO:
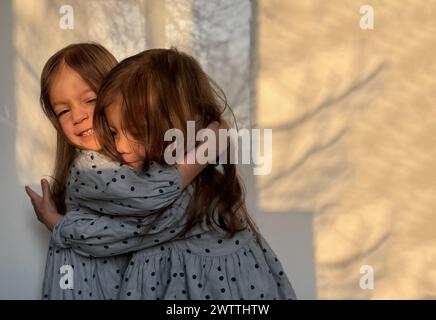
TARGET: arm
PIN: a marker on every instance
(96, 235)
(92, 234)
(129, 191)
(188, 172)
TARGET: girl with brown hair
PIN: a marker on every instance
(206, 246)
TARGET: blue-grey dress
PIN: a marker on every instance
(118, 216)
(97, 274)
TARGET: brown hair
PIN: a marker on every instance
(92, 62)
(163, 89)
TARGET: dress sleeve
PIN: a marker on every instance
(105, 186)
(99, 235)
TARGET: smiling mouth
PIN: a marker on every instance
(86, 133)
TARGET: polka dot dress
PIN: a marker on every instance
(207, 266)
(93, 244)
(116, 216)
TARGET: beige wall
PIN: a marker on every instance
(354, 136)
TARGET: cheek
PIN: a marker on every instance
(141, 151)
(67, 128)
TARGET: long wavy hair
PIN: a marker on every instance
(162, 89)
(92, 62)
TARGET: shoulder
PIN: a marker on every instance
(86, 159)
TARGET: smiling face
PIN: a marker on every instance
(132, 152)
(73, 102)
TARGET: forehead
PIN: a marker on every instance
(68, 83)
(113, 111)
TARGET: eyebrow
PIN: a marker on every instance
(79, 95)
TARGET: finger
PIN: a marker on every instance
(32, 194)
(45, 186)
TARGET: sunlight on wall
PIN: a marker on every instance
(354, 134)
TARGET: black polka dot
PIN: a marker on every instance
(94, 166)
(223, 290)
(256, 266)
(81, 237)
(218, 268)
(237, 242)
(153, 288)
(220, 241)
(261, 295)
(126, 279)
(79, 292)
(106, 247)
(153, 274)
(86, 279)
(281, 273)
(132, 263)
(198, 236)
(233, 279)
(174, 274)
(183, 291)
(207, 297)
(104, 261)
(122, 176)
(132, 188)
(207, 250)
(98, 172)
(221, 278)
(252, 287)
(90, 294)
(194, 276)
(105, 227)
(200, 285)
(125, 241)
(129, 293)
(96, 187)
(160, 191)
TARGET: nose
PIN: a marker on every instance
(78, 115)
(122, 145)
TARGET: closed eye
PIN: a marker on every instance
(62, 113)
(91, 100)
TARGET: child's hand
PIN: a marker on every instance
(45, 208)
